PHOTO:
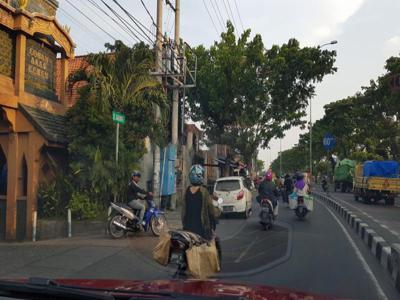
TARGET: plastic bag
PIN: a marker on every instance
(203, 260)
(309, 202)
(293, 200)
(162, 249)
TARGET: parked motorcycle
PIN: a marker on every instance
(267, 214)
(123, 219)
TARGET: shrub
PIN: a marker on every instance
(83, 208)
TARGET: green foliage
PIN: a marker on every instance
(84, 208)
(295, 159)
(53, 197)
(246, 95)
(116, 80)
(366, 125)
(259, 165)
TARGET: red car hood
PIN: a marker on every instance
(211, 288)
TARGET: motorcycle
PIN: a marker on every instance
(182, 241)
(325, 186)
(267, 214)
(299, 206)
(123, 219)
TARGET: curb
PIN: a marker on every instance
(387, 255)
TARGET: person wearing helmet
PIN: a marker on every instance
(301, 188)
(136, 195)
(198, 212)
(267, 189)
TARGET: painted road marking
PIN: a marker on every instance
(394, 232)
(384, 226)
(364, 264)
(237, 260)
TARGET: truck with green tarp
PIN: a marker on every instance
(343, 175)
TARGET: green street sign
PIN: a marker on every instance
(118, 117)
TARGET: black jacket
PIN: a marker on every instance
(268, 190)
(288, 184)
(135, 192)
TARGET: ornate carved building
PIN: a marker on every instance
(34, 56)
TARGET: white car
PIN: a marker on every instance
(237, 198)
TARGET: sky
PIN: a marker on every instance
(367, 32)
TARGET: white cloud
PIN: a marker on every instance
(332, 14)
(392, 46)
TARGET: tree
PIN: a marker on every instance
(366, 125)
(294, 159)
(246, 95)
(116, 80)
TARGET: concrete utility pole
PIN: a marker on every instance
(175, 91)
(159, 48)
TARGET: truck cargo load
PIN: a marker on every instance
(387, 169)
(343, 175)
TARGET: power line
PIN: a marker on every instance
(208, 12)
(238, 12)
(115, 21)
(83, 14)
(102, 18)
(220, 14)
(148, 12)
(80, 25)
(221, 23)
(126, 24)
(233, 17)
(136, 21)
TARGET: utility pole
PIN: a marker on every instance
(175, 91)
(280, 157)
(159, 49)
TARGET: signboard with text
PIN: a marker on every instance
(40, 70)
(329, 141)
(118, 117)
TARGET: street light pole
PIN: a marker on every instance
(311, 164)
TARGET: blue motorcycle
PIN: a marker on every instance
(123, 219)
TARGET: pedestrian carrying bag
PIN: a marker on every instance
(293, 200)
(203, 260)
(161, 250)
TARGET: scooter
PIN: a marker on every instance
(123, 219)
(301, 210)
(267, 214)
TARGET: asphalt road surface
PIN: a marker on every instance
(384, 219)
(319, 255)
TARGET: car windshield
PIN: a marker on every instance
(250, 145)
(227, 185)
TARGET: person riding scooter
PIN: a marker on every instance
(267, 189)
(136, 195)
(324, 184)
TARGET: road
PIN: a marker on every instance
(384, 219)
(318, 255)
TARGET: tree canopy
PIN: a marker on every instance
(246, 94)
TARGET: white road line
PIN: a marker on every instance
(394, 232)
(245, 252)
(384, 226)
(364, 264)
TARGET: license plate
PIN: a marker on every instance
(176, 257)
(228, 208)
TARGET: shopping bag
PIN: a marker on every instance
(293, 200)
(161, 250)
(203, 260)
(309, 202)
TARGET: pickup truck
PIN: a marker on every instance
(376, 180)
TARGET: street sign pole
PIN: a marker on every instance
(118, 118)
(116, 144)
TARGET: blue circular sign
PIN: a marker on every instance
(329, 141)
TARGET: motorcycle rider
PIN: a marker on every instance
(136, 195)
(324, 184)
(267, 189)
(288, 187)
(301, 188)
